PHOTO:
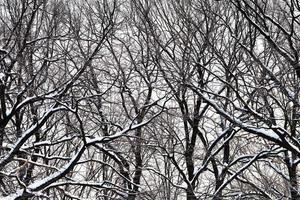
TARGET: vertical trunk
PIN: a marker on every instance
(123, 165)
(220, 176)
(167, 171)
(2, 115)
(2, 133)
(138, 164)
(190, 169)
(22, 164)
(167, 186)
(3, 188)
(190, 194)
(292, 169)
(33, 112)
(189, 161)
(189, 156)
(34, 158)
(104, 176)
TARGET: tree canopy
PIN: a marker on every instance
(166, 100)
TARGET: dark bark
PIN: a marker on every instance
(190, 194)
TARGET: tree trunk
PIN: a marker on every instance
(292, 169)
(190, 194)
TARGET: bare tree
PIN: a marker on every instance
(111, 99)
